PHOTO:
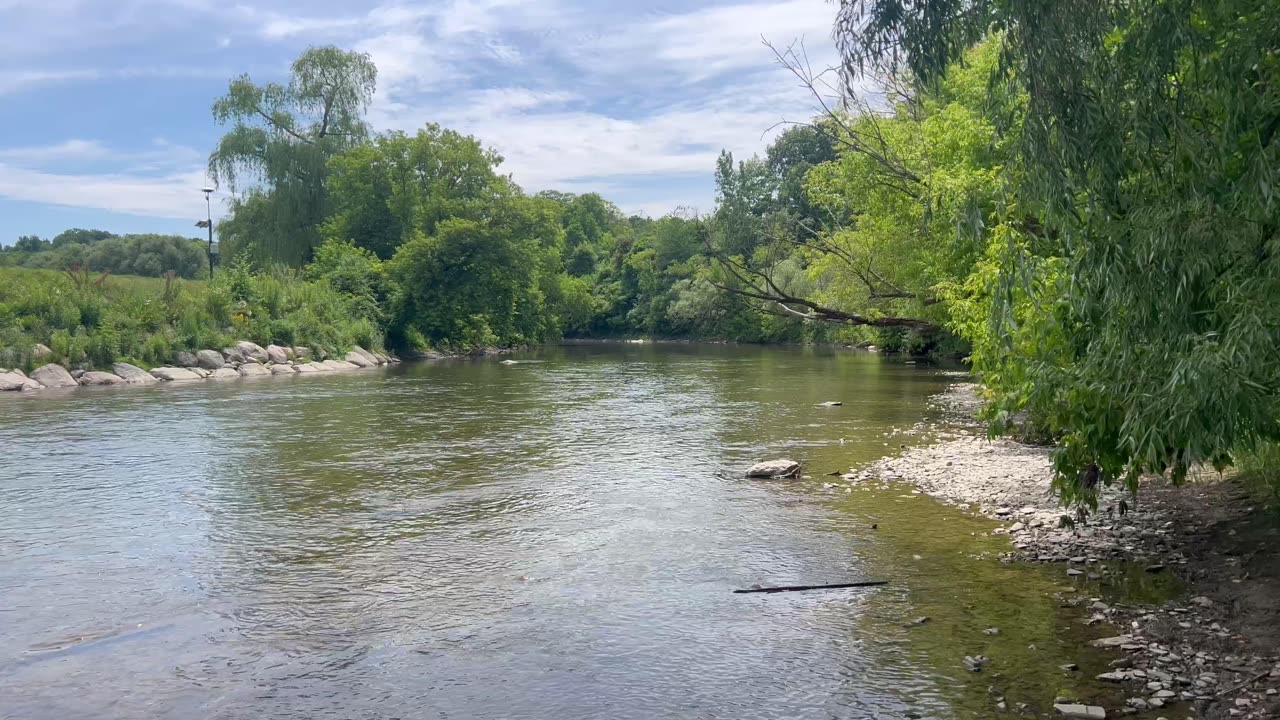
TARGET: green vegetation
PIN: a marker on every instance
(101, 251)
(91, 320)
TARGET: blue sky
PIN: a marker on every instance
(104, 104)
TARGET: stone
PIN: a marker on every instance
(1072, 572)
(283, 369)
(14, 380)
(918, 621)
(1155, 568)
(53, 376)
(173, 374)
(132, 374)
(245, 351)
(94, 377)
(1114, 676)
(1084, 712)
(210, 359)
(187, 359)
(774, 468)
(1017, 527)
(277, 354)
(1116, 641)
(40, 352)
(359, 360)
(253, 369)
(974, 663)
(301, 353)
(366, 354)
(991, 631)
(307, 367)
(339, 365)
(1070, 667)
(832, 403)
(224, 374)
(77, 373)
(200, 371)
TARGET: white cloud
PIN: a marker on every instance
(176, 195)
(58, 152)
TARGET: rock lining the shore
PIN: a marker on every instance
(241, 360)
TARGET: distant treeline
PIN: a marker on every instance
(148, 255)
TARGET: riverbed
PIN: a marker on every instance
(553, 538)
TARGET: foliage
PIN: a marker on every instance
(1146, 183)
(278, 148)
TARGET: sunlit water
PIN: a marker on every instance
(468, 539)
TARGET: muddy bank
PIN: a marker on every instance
(1215, 651)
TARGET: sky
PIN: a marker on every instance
(105, 104)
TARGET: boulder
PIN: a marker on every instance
(245, 351)
(365, 354)
(307, 368)
(210, 359)
(359, 360)
(200, 372)
(253, 369)
(94, 377)
(132, 374)
(301, 353)
(40, 352)
(223, 374)
(774, 469)
(53, 376)
(77, 373)
(282, 369)
(338, 365)
(186, 359)
(277, 354)
(1083, 712)
(174, 374)
(16, 381)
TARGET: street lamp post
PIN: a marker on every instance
(208, 210)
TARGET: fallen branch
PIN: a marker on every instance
(1235, 688)
(793, 588)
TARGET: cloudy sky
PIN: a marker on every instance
(104, 105)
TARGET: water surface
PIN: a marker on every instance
(549, 539)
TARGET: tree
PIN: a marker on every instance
(1134, 316)
(79, 236)
(279, 145)
(31, 244)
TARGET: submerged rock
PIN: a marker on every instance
(53, 376)
(132, 374)
(210, 359)
(774, 469)
(1084, 712)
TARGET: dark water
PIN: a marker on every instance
(553, 539)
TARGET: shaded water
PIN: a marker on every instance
(552, 539)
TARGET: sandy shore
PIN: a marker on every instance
(1214, 653)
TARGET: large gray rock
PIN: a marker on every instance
(53, 376)
(301, 353)
(336, 365)
(277, 354)
(282, 369)
(16, 381)
(132, 374)
(774, 468)
(253, 369)
(224, 374)
(94, 377)
(359, 360)
(365, 354)
(200, 371)
(210, 359)
(1082, 712)
(173, 374)
(186, 359)
(40, 352)
(245, 351)
(309, 367)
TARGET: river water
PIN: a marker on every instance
(557, 538)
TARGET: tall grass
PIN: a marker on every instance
(90, 320)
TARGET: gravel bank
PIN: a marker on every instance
(1215, 654)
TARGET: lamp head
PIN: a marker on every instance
(207, 191)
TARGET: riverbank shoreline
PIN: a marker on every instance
(1216, 651)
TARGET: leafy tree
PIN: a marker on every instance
(79, 236)
(281, 139)
(31, 244)
(1147, 202)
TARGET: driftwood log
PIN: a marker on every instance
(833, 586)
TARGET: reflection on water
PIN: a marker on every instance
(477, 540)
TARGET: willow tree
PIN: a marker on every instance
(276, 154)
(1146, 283)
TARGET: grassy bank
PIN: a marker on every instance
(90, 320)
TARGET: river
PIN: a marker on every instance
(556, 538)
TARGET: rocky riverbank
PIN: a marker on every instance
(1215, 654)
(243, 359)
